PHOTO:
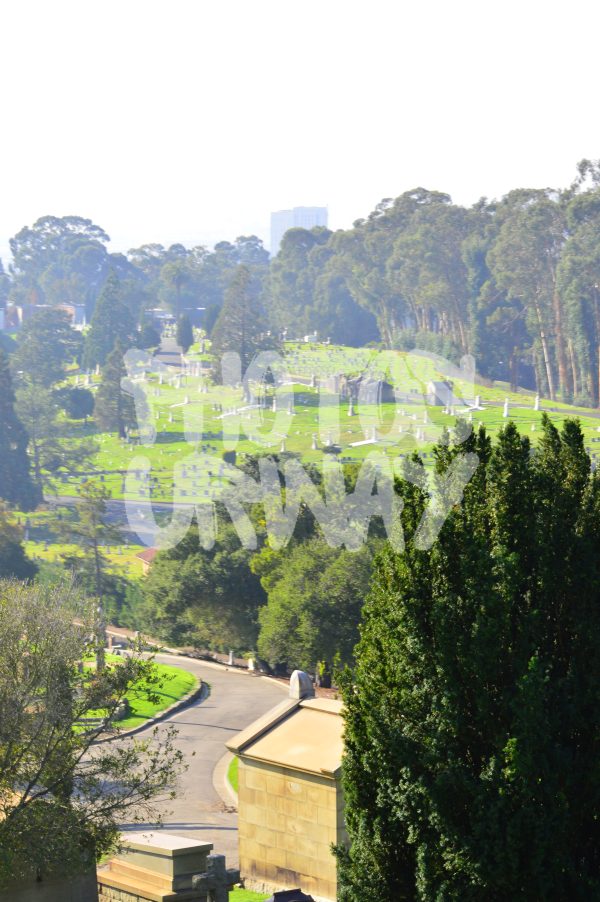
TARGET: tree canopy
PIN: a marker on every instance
(45, 345)
(60, 801)
(512, 281)
(472, 747)
(206, 598)
(111, 321)
(114, 409)
(185, 333)
(242, 326)
(16, 484)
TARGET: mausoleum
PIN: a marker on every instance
(290, 800)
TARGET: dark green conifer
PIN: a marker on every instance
(16, 485)
(111, 321)
(472, 769)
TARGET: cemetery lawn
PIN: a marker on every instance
(181, 472)
(176, 684)
(232, 773)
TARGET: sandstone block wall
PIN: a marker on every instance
(287, 824)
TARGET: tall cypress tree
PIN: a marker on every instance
(114, 409)
(185, 333)
(111, 321)
(472, 767)
(241, 325)
(16, 485)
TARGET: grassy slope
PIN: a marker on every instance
(177, 683)
(122, 558)
(171, 454)
(172, 463)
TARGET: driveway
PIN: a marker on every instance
(235, 700)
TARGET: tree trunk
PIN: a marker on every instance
(100, 625)
(573, 369)
(514, 370)
(564, 381)
(545, 351)
(597, 377)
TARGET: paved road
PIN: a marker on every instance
(235, 700)
(169, 353)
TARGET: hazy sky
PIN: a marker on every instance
(191, 120)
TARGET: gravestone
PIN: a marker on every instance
(301, 685)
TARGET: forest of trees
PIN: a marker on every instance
(515, 281)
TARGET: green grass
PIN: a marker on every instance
(232, 773)
(122, 559)
(176, 684)
(172, 461)
(245, 895)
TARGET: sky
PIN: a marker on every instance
(191, 120)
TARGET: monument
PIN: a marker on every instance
(161, 867)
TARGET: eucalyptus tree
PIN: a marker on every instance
(524, 261)
(579, 287)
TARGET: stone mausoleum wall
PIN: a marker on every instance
(289, 823)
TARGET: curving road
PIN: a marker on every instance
(235, 700)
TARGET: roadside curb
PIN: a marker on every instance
(221, 784)
(218, 665)
(200, 693)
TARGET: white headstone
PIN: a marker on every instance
(301, 685)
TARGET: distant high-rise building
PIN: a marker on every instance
(298, 218)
